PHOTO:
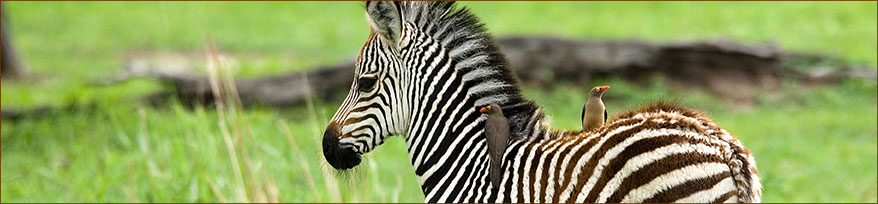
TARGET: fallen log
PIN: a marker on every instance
(730, 70)
(279, 91)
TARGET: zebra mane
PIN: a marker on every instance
(660, 106)
(479, 59)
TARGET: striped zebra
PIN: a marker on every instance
(425, 68)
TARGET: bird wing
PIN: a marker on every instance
(582, 114)
(605, 115)
(497, 134)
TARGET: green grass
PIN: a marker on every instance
(811, 144)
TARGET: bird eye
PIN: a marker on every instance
(366, 83)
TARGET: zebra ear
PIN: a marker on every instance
(385, 18)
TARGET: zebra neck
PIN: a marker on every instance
(445, 138)
(446, 141)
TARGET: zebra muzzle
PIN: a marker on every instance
(338, 157)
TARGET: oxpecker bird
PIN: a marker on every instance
(497, 135)
(594, 114)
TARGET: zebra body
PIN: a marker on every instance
(426, 67)
(662, 153)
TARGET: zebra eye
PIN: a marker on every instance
(366, 83)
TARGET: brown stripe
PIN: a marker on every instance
(571, 165)
(609, 144)
(639, 147)
(558, 171)
(534, 165)
(688, 188)
(724, 197)
(544, 180)
(660, 167)
(581, 152)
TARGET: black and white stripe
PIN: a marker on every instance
(434, 64)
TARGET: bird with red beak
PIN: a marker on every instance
(497, 136)
(594, 114)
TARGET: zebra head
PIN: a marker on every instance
(365, 118)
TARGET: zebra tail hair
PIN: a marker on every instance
(747, 182)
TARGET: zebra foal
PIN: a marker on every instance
(427, 65)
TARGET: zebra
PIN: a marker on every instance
(426, 66)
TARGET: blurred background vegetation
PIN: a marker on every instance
(812, 143)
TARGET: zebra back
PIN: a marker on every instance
(659, 153)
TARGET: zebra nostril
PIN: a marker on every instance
(338, 157)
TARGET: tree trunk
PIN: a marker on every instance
(11, 66)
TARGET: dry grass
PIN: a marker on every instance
(251, 184)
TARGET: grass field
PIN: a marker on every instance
(812, 144)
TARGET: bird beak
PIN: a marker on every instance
(483, 110)
(604, 88)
